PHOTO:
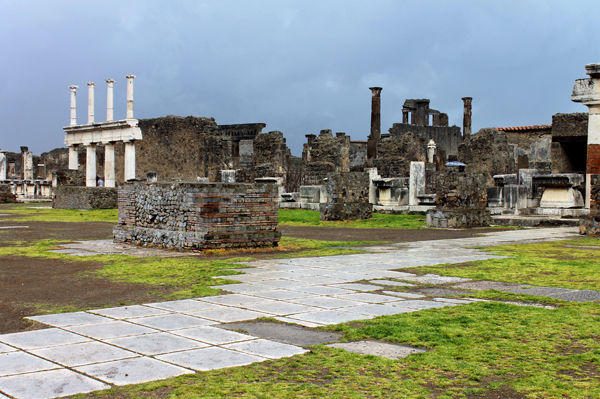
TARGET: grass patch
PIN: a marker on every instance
(566, 264)
(300, 217)
(472, 350)
(29, 214)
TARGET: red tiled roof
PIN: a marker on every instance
(522, 128)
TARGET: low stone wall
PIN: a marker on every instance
(197, 216)
(85, 198)
(458, 218)
(458, 190)
(6, 195)
(348, 197)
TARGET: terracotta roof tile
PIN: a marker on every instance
(524, 128)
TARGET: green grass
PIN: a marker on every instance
(566, 264)
(473, 349)
(296, 217)
(28, 214)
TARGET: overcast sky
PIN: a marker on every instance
(298, 66)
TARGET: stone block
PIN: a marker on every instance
(346, 211)
(561, 197)
(310, 194)
(515, 196)
(85, 198)
(495, 196)
(416, 185)
(458, 218)
(502, 180)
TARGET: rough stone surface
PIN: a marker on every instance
(458, 218)
(488, 151)
(198, 216)
(86, 198)
(6, 195)
(395, 153)
(348, 197)
(382, 349)
(458, 190)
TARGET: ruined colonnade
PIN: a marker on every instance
(107, 133)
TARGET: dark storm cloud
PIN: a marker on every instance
(299, 66)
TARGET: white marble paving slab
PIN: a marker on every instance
(368, 297)
(69, 319)
(326, 302)
(154, 344)
(323, 290)
(170, 322)
(83, 353)
(234, 299)
(129, 312)
(210, 358)
(183, 306)
(213, 335)
(266, 348)
(373, 309)
(230, 315)
(280, 308)
(5, 348)
(21, 362)
(357, 287)
(41, 338)
(328, 317)
(282, 295)
(112, 329)
(49, 384)
(132, 371)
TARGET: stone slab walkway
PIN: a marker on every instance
(92, 350)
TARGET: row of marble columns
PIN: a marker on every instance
(109, 147)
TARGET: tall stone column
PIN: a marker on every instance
(587, 92)
(129, 160)
(375, 123)
(109, 101)
(405, 113)
(130, 96)
(3, 165)
(91, 102)
(73, 158)
(467, 116)
(73, 105)
(27, 161)
(90, 165)
(109, 165)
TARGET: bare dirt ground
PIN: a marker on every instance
(30, 284)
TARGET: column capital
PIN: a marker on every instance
(376, 90)
(467, 99)
(91, 83)
(130, 76)
(110, 81)
(73, 88)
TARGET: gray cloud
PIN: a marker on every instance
(299, 66)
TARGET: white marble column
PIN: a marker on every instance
(90, 165)
(431, 147)
(73, 158)
(73, 105)
(130, 96)
(28, 165)
(3, 165)
(109, 101)
(109, 165)
(91, 102)
(129, 160)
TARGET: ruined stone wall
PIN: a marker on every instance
(488, 152)
(358, 155)
(565, 125)
(242, 131)
(569, 142)
(198, 216)
(55, 160)
(85, 198)
(324, 155)
(447, 138)
(271, 154)
(6, 195)
(395, 153)
(348, 197)
(532, 148)
(67, 177)
(457, 190)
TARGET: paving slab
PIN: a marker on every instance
(435, 279)
(41, 338)
(578, 296)
(21, 362)
(230, 315)
(328, 317)
(404, 294)
(154, 344)
(442, 291)
(391, 283)
(420, 304)
(69, 319)
(453, 300)
(266, 348)
(49, 384)
(113, 329)
(183, 306)
(132, 371)
(170, 322)
(281, 308)
(282, 294)
(357, 287)
(323, 290)
(320, 280)
(289, 334)
(242, 288)
(298, 322)
(283, 284)
(368, 297)
(489, 285)
(378, 310)
(210, 358)
(234, 299)
(382, 349)
(213, 335)
(326, 302)
(83, 353)
(5, 348)
(129, 312)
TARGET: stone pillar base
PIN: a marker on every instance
(458, 218)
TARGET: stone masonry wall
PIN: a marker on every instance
(446, 137)
(348, 197)
(197, 216)
(394, 154)
(458, 190)
(489, 152)
(6, 195)
(85, 198)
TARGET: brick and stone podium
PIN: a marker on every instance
(197, 216)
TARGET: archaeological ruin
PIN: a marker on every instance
(511, 175)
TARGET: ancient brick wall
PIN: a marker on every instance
(85, 198)
(6, 195)
(575, 124)
(67, 177)
(348, 197)
(457, 190)
(395, 153)
(324, 155)
(446, 137)
(198, 216)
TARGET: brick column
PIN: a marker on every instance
(587, 92)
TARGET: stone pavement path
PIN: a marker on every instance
(92, 350)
